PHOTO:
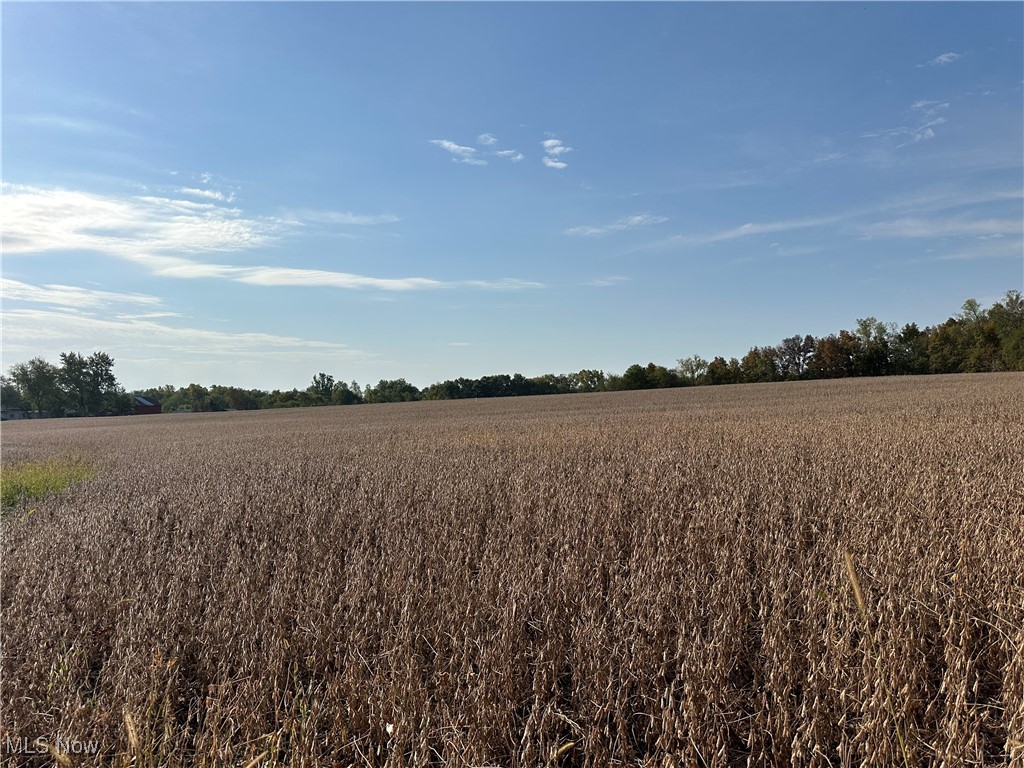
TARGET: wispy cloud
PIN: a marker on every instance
(944, 227)
(54, 219)
(553, 150)
(605, 282)
(81, 125)
(918, 131)
(170, 237)
(793, 250)
(990, 249)
(555, 147)
(70, 295)
(207, 194)
(57, 328)
(942, 59)
(486, 139)
(512, 154)
(754, 228)
(347, 218)
(290, 276)
(626, 222)
(504, 284)
(461, 154)
(929, 107)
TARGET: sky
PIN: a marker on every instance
(249, 194)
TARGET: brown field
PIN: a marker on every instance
(637, 578)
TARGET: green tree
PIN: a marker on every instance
(1007, 318)
(587, 380)
(947, 347)
(871, 357)
(345, 394)
(909, 351)
(39, 384)
(692, 369)
(721, 371)
(10, 395)
(834, 356)
(793, 355)
(322, 389)
(761, 364)
(635, 377)
(393, 391)
(89, 383)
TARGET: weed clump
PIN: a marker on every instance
(30, 480)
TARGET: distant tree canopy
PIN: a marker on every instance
(972, 341)
(79, 386)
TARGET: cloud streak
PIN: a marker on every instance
(943, 59)
(208, 194)
(906, 228)
(28, 325)
(626, 222)
(70, 295)
(461, 154)
(920, 110)
(606, 282)
(345, 218)
(168, 238)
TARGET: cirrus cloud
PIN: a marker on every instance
(461, 154)
(169, 238)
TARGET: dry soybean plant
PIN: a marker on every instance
(808, 574)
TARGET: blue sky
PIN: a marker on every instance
(248, 194)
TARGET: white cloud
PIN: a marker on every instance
(604, 282)
(511, 154)
(38, 220)
(914, 135)
(69, 295)
(209, 194)
(504, 284)
(945, 227)
(289, 276)
(461, 154)
(945, 58)
(554, 148)
(73, 125)
(57, 329)
(929, 107)
(147, 315)
(795, 250)
(992, 249)
(829, 158)
(486, 139)
(750, 229)
(626, 222)
(169, 237)
(858, 221)
(345, 217)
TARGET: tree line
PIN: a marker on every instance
(79, 386)
(974, 340)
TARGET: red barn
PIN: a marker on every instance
(143, 405)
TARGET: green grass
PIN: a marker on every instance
(29, 480)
